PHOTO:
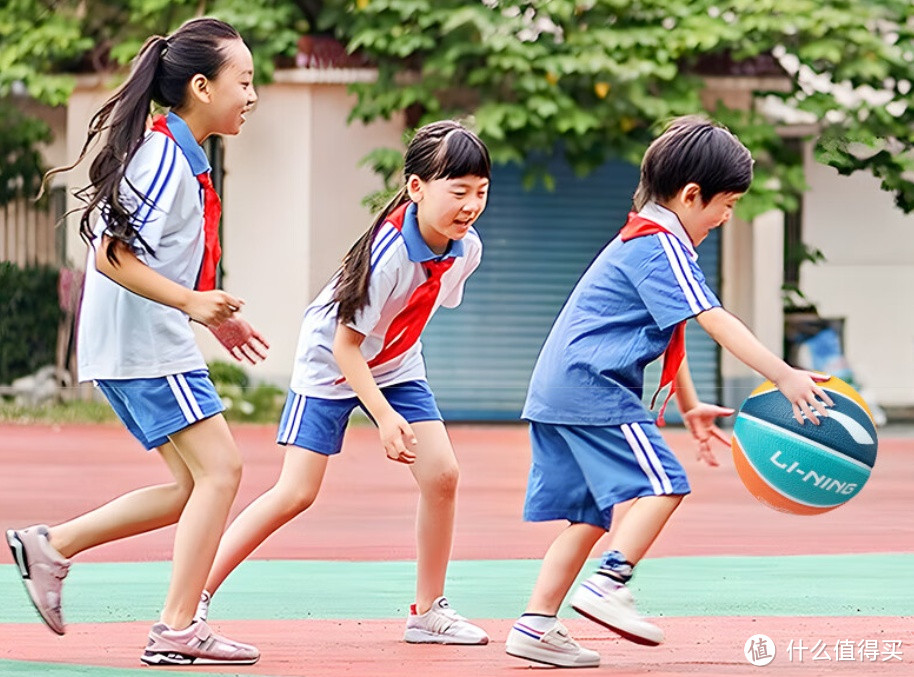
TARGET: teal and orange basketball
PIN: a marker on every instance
(804, 469)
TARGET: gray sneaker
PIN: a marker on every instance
(42, 569)
(555, 646)
(611, 604)
(195, 645)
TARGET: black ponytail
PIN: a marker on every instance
(159, 74)
(440, 150)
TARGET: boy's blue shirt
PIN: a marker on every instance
(619, 318)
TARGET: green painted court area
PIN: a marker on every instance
(823, 585)
(31, 669)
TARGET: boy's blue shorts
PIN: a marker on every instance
(318, 424)
(154, 408)
(580, 472)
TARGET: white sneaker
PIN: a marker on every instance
(555, 646)
(203, 606)
(609, 603)
(441, 625)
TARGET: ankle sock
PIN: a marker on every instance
(539, 622)
(615, 566)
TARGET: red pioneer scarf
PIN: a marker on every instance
(638, 226)
(212, 210)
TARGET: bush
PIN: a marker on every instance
(29, 317)
(257, 404)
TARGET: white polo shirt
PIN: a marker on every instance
(397, 271)
(122, 335)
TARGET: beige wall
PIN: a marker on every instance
(291, 203)
(292, 208)
(867, 277)
(751, 277)
(88, 97)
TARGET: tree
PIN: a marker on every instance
(596, 77)
(44, 43)
(592, 77)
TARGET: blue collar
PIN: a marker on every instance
(416, 248)
(192, 150)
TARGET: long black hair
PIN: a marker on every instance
(159, 73)
(693, 149)
(440, 150)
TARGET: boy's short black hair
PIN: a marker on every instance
(693, 149)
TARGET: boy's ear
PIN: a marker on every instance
(690, 193)
(414, 186)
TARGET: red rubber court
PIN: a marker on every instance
(328, 594)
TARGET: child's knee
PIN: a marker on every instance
(443, 484)
(296, 501)
(226, 477)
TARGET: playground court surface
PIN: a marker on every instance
(328, 594)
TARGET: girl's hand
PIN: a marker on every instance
(801, 389)
(397, 437)
(241, 340)
(212, 308)
(700, 422)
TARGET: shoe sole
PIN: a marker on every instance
(414, 636)
(17, 549)
(175, 658)
(624, 634)
(553, 663)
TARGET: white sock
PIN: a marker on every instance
(538, 622)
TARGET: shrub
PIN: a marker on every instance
(243, 402)
(29, 317)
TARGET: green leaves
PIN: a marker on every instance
(20, 162)
(598, 77)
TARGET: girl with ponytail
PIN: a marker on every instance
(359, 346)
(151, 218)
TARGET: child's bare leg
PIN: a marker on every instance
(294, 491)
(214, 462)
(640, 526)
(436, 473)
(133, 513)
(561, 565)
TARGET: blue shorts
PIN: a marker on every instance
(580, 472)
(318, 424)
(154, 408)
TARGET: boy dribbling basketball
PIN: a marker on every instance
(629, 308)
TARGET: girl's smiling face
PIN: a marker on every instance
(219, 105)
(232, 90)
(447, 207)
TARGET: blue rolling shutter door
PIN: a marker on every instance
(537, 245)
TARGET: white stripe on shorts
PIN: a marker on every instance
(179, 397)
(653, 458)
(294, 421)
(191, 399)
(642, 459)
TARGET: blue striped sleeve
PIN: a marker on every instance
(671, 285)
(154, 172)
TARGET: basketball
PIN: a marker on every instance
(804, 469)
